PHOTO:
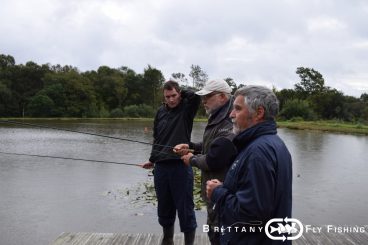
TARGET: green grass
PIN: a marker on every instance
(330, 126)
(76, 118)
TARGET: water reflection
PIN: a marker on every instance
(332, 173)
(43, 197)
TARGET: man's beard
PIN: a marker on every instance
(236, 130)
(210, 111)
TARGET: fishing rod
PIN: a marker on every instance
(69, 158)
(80, 132)
(94, 134)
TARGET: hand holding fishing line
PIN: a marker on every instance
(186, 158)
(185, 153)
(182, 149)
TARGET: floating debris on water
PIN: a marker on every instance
(142, 194)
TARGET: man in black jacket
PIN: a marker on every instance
(173, 179)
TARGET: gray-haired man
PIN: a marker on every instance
(215, 153)
(258, 186)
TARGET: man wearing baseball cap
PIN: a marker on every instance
(216, 85)
(215, 153)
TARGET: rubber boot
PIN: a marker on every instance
(189, 237)
(168, 236)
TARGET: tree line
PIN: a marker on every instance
(312, 100)
(32, 90)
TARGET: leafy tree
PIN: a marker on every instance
(57, 94)
(55, 90)
(312, 82)
(232, 84)
(285, 95)
(328, 103)
(110, 85)
(364, 97)
(297, 108)
(64, 69)
(77, 95)
(241, 86)
(7, 103)
(40, 106)
(6, 61)
(81, 98)
(26, 81)
(354, 109)
(198, 75)
(138, 111)
(117, 112)
(181, 78)
(134, 85)
(153, 80)
(364, 116)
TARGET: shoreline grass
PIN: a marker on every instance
(329, 126)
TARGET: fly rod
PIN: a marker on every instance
(80, 132)
(68, 158)
(94, 134)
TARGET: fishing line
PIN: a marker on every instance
(99, 135)
(80, 132)
(68, 158)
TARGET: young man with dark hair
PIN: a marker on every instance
(172, 178)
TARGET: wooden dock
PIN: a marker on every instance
(81, 238)
(120, 239)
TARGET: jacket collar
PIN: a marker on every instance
(250, 134)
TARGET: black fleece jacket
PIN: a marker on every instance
(173, 126)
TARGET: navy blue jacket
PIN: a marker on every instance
(258, 186)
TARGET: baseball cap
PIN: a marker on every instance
(217, 85)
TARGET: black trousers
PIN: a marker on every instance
(174, 189)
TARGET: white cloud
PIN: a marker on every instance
(262, 41)
(325, 24)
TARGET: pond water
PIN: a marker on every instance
(42, 197)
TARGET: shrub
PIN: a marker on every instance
(40, 106)
(103, 112)
(297, 119)
(297, 109)
(138, 111)
(117, 112)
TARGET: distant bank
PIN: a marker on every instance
(330, 126)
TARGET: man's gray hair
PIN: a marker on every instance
(256, 96)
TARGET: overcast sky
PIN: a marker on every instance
(253, 42)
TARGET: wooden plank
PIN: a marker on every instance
(81, 238)
(121, 239)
